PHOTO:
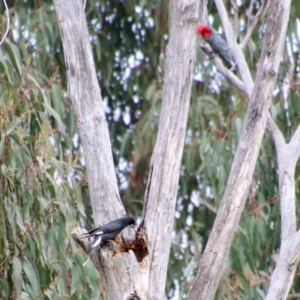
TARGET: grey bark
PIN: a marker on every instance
(119, 272)
(85, 96)
(287, 157)
(165, 163)
(217, 249)
(289, 253)
(126, 274)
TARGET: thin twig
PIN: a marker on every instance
(223, 70)
(259, 208)
(249, 13)
(8, 22)
(208, 206)
(251, 28)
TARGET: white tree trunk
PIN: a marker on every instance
(217, 249)
(126, 275)
(289, 254)
(165, 163)
(85, 96)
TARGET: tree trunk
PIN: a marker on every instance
(85, 96)
(289, 254)
(141, 272)
(217, 249)
(165, 163)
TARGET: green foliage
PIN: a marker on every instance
(40, 199)
(43, 182)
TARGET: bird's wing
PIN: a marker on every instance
(112, 226)
(94, 232)
(97, 241)
(223, 36)
(107, 228)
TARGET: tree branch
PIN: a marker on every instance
(287, 156)
(286, 208)
(282, 277)
(253, 24)
(272, 128)
(161, 193)
(208, 206)
(85, 96)
(214, 257)
(249, 12)
(286, 170)
(239, 59)
(223, 70)
(234, 48)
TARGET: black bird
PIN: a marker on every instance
(107, 232)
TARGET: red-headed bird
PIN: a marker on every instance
(217, 42)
